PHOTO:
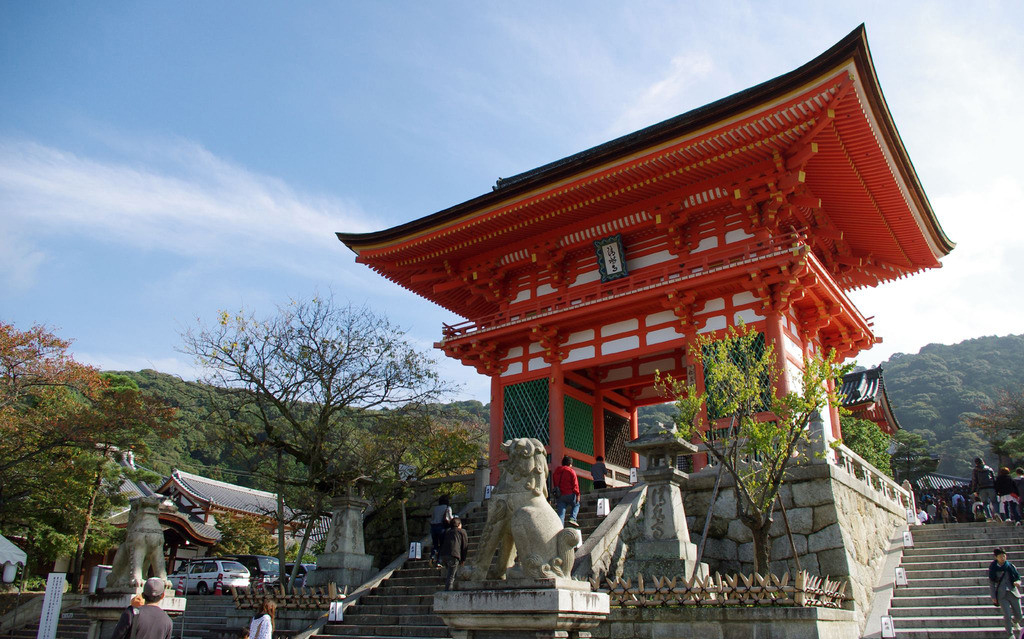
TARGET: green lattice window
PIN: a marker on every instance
(579, 426)
(526, 410)
(739, 358)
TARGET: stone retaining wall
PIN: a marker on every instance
(728, 623)
(841, 528)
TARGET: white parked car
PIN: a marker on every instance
(201, 575)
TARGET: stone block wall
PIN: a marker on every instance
(841, 528)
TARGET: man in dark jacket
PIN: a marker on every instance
(1003, 579)
(983, 481)
(453, 551)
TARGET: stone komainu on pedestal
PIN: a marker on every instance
(520, 520)
(142, 549)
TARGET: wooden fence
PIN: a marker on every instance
(735, 590)
(317, 598)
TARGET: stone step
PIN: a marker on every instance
(950, 633)
(344, 630)
(935, 573)
(967, 591)
(381, 609)
(405, 591)
(393, 600)
(392, 619)
(967, 621)
(940, 601)
(914, 555)
(941, 611)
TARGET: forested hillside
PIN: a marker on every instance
(936, 390)
(933, 393)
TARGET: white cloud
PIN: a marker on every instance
(179, 197)
(19, 260)
(667, 96)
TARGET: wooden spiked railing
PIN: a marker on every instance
(805, 591)
(317, 598)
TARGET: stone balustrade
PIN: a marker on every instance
(878, 481)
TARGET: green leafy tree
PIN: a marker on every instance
(762, 432)
(912, 458)
(313, 382)
(1002, 423)
(61, 426)
(243, 535)
(957, 455)
(867, 440)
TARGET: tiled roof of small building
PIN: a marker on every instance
(221, 493)
(938, 481)
(861, 386)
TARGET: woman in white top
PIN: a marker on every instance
(262, 625)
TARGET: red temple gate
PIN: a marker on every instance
(582, 277)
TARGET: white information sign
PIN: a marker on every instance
(911, 517)
(908, 539)
(888, 630)
(632, 476)
(602, 507)
(415, 550)
(335, 613)
(487, 491)
(901, 576)
(52, 601)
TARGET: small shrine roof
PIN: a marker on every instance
(223, 494)
(863, 393)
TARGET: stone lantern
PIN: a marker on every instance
(665, 548)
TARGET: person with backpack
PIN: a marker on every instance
(144, 618)
(454, 550)
(440, 517)
(983, 481)
(123, 629)
(567, 491)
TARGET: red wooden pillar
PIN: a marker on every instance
(837, 429)
(556, 415)
(773, 336)
(634, 432)
(497, 426)
(598, 421)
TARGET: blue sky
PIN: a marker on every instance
(162, 161)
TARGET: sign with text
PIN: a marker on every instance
(888, 630)
(487, 491)
(602, 507)
(52, 601)
(632, 476)
(415, 550)
(611, 258)
(908, 539)
(336, 611)
(901, 576)
(911, 517)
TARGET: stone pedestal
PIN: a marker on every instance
(522, 608)
(665, 550)
(344, 560)
(104, 609)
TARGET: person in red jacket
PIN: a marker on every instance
(567, 484)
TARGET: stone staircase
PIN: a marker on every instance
(74, 627)
(403, 605)
(947, 595)
(206, 617)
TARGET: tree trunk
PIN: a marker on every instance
(305, 542)
(405, 523)
(762, 547)
(282, 575)
(76, 566)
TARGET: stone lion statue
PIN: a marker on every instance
(520, 519)
(142, 549)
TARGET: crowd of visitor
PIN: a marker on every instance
(989, 495)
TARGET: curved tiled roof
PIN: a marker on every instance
(225, 495)
(861, 386)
